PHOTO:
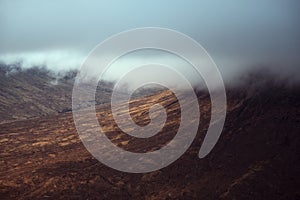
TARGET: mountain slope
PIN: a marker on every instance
(257, 156)
(33, 92)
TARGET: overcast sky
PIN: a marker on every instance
(237, 34)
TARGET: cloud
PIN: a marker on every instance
(238, 35)
(55, 59)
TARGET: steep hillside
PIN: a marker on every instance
(257, 156)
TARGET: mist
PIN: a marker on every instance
(239, 36)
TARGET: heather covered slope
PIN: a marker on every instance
(257, 156)
(33, 92)
(37, 91)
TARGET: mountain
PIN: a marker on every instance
(256, 157)
(36, 91)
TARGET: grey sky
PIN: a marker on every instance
(236, 33)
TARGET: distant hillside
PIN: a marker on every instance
(33, 92)
(26, 93)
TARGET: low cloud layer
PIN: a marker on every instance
(239, 36)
